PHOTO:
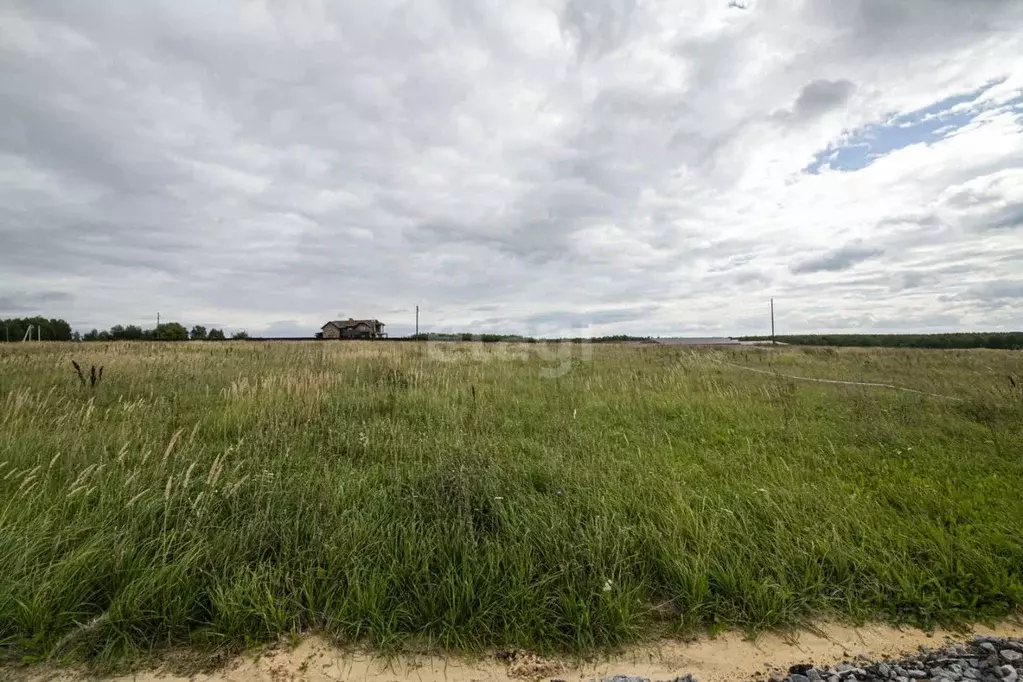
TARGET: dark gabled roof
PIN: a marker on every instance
(348, 324)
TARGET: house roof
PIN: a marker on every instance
(348, 324)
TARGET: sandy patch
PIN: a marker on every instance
(726, 657)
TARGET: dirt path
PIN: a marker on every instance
(727, 657)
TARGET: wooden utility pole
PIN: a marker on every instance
(156, 332)
(773, 342)
(417, 322)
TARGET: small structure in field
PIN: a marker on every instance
(354, 329)
(704, 341)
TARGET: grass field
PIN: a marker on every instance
(463, 497)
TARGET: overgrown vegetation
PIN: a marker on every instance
(15, 328)
(220, 494)
(166, 331)
(995, 340)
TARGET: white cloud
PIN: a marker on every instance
(269, 166)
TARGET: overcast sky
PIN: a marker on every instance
(546, 167)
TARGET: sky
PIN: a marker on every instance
(562, 167)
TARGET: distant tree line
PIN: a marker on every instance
(1001, 340)
(14, 329)
(49, 330)
(166, 331)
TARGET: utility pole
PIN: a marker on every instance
(156, 332)
(417, 322)
(773, 342)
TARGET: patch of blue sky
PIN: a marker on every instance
(930, 124)
(1016, 107)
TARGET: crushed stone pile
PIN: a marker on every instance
(984, 659)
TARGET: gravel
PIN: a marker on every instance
(984, 659)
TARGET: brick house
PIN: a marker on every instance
(354, 329)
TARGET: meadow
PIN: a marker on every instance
(466, 497)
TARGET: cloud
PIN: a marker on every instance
(840, 259)
(821, 96)
(994, 291)
(585, 319)
(1007, 218)
(617, 166)
(913, 280)
(30, 304)
(597, 28)
(282, 329)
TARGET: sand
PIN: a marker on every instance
(726, 657)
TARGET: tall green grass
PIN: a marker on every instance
(222, 494)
